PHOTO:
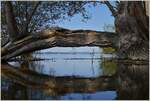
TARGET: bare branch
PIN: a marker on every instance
(111, 8)
(31, 15)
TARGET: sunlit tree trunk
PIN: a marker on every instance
(147, 7)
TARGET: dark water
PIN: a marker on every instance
(75, 73)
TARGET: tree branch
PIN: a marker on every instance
(11, 22)
(30, 16)
(111, 8)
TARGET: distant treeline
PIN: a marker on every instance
(67, 53)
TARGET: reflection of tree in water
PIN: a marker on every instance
(92, 62)
(133, 81)
(52, 71)
(108, 67)
(28, 64)
(40, 87)
(14, 91)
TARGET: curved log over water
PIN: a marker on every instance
(131, 24)
(57, 85)
(58, 37)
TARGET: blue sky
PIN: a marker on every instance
(100, 15)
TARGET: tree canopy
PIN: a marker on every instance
(36, 15)
(23, 18)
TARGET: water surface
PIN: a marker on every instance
(76, 73)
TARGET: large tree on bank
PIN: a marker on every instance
(131, 40)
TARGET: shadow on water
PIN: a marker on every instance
(90, 78)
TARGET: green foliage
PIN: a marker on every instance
(109, 67)
(108, 50)
(37, 15)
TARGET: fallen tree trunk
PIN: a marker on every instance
(132, 41)
(58, 37)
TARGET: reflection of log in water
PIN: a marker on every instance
(58, 85)
(133, 81)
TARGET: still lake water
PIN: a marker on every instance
(78, 73)
(83, 61)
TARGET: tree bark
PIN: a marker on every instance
(111, 8)
(58, 37)
(132, 41)
(147, 7)
(132, 26)
(11, 22)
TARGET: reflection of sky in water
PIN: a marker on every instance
(70, 67)
(60, 67)
(74, 61)
(105, 95)
(99, 95)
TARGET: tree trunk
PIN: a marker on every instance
(58, 37)
(147, 7)
(131, 23)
